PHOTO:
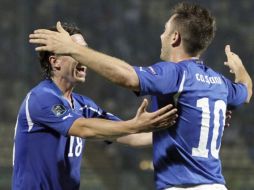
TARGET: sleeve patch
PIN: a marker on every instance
(58, 110)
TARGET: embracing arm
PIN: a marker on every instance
(142, 122)
(114, 69)
(101, 128)
(241, 75)
(136, 140)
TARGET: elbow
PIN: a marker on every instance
(133, 84)
(130, 80)
(85, 134)
(249, 96)
(250, 91)
(91, 134)
(123, 75)
(78, 130)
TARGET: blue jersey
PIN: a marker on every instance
(188, 153)
(45, 157)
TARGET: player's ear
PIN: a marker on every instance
(55, 62)
(175, 39)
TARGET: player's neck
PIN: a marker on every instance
(65, 86)
(179, 56)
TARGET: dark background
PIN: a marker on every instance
(128, 29)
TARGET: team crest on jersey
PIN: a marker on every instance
(58, 110)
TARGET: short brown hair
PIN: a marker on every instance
(44, 55)
(196, 26)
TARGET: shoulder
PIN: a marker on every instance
(164, 67)
(90, 108)
(83, 100)
(190, 65)
(165, 64)
(173, 65)
(231, 85)
(44, 94)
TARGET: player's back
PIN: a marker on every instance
(188, 153)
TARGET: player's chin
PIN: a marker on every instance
(79, 76)
(80, 79)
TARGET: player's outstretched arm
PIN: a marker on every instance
(142, 122)
(136, 140)
(114, 69)
(236, 67)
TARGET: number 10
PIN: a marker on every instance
(201, 150)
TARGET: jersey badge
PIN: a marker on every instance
(58, 110)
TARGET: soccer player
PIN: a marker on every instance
(53, 122)
(187, 155)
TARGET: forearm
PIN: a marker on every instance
(100, 128)
(114, 69)
(242, 76)
(236, 66)
(111, 68)
(142, 122)
(136, 140)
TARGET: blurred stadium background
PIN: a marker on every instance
(128, 29)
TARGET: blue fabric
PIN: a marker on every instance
(201, 96)
(45, 156)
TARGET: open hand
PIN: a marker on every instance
(233, 60)
(160, 119)
(57, 42)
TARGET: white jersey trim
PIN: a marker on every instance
(13, 151)
(94, 110)
(176, 96)
(28, 118)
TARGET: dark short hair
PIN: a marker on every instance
(44, 55)
(196, 26)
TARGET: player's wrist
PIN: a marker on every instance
(132, 126)
(72, 48)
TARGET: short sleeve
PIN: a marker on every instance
(160, 78)
(237, 93)
(51, 112)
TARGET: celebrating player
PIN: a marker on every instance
(187, 155)
(53, 120)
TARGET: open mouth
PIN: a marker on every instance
(80, 71)
(80, 68)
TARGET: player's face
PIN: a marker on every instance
(70, 69)
(166, 40)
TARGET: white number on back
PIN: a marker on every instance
(201, 150)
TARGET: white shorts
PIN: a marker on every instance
(201, 187)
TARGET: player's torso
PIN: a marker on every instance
(188, 153)
(44, 158)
